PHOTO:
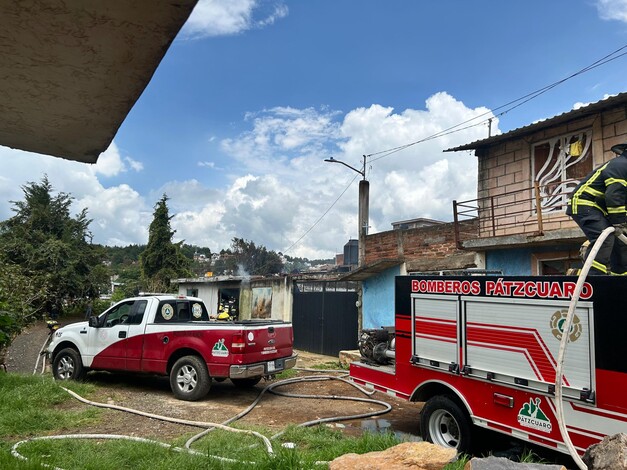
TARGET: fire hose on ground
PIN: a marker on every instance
(223, 426)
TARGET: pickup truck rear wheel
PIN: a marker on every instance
(445, 423)
(189, 379)
(246, 383)
(68, 365)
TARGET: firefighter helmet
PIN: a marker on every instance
(619, 149)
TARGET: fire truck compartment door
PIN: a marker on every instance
(516, 341)
(435, 331)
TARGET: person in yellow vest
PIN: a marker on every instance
(599, 202)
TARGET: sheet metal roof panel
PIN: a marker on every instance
(592, 108)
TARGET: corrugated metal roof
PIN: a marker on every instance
(549, 122)
(364, 272)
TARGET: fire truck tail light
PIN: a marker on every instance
(237, 343)
(503, 400)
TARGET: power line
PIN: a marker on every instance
(513, 105)
(322, 216)
(457, 127)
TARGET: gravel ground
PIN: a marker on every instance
(152, 394)
(24, 350)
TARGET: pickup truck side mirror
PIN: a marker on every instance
(93, 322)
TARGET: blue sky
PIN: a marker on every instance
(253, 96)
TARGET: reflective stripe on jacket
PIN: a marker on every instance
(605, 188)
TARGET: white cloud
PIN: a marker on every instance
(222, 18)
(282, 185)
(279, 187)
(110, 162)
(580, 104)
(120, 215)
(612, 10)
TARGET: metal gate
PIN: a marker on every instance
(324, 316)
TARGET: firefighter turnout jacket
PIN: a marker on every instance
(605, 189)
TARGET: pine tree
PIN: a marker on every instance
(162, 259)
(48, 254)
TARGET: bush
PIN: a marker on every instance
(10, 326)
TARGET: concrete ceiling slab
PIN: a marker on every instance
(71, 70)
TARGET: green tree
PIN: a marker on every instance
(162, 259)
(51, 249)
(245, 257)
(20, 301)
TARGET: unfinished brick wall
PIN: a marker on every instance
(435, 244)
(505, 180)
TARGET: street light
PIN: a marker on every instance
(362, 219)
(362, 172)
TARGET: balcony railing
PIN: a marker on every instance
(513, 213)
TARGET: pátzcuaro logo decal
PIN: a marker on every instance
(557, 326)
(531, 416)
(219, 349)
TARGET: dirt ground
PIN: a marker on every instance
(152, 394)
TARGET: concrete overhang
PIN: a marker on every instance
(571, 235)
(369, 270)
(71, 70)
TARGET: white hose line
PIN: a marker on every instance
(271, 387)
(564, 342)
(198, 424)
(43, 346)
(143, 440)
(210, 425)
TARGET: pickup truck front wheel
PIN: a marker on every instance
(189, 379)
(67, 365)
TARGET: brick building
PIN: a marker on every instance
(427, 248)
(525, 177)
(516, 225)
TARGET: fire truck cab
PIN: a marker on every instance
(482, 351)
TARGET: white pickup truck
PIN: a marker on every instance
(173, 335)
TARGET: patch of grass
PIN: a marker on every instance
(311, 445)
(32, 406)
(529, 456)
(459, 464)
(287, 374)
(29, 405)
(334, 365)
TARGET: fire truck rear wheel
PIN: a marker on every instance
(189, 379)
(445, 423)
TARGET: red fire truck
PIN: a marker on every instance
(482, 351)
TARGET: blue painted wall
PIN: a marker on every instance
(513, 262)
(378, 299)
(517, 261)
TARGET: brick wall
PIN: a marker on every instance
(429, 246)
(505, 173)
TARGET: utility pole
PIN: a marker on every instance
(362, 219)
(363, 208)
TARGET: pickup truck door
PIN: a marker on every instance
(107, 343)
